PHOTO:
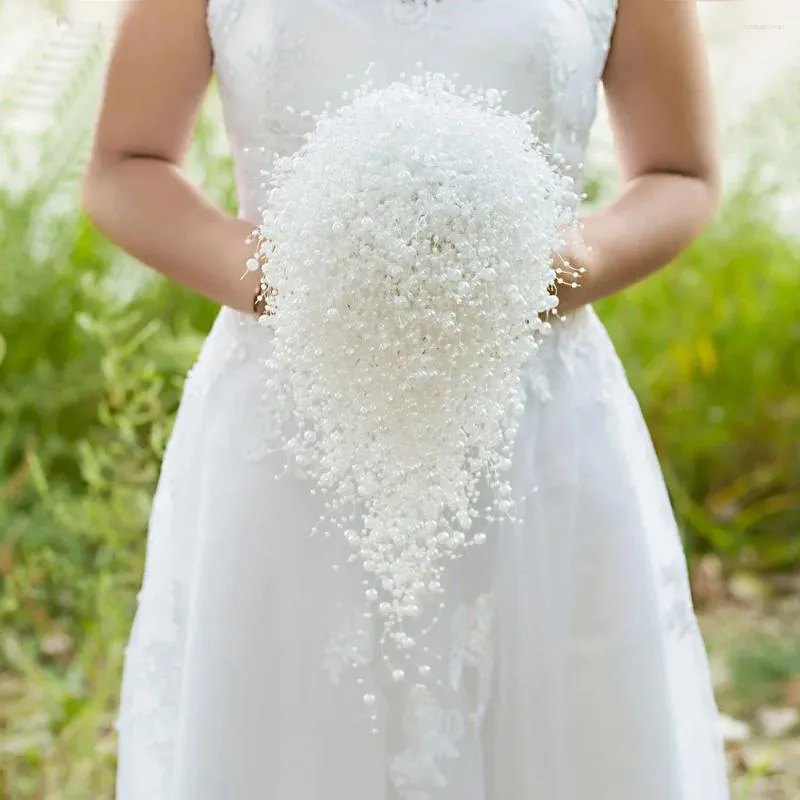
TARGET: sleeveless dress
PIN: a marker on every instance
(566, 663)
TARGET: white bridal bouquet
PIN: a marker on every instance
(408, 250)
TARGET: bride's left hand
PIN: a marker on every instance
(571, 264)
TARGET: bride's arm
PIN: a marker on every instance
(661, 110)
(134, 190)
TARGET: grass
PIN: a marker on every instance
(755, 651)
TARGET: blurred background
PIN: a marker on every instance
(94, 349)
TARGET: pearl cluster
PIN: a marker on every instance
(410, 244)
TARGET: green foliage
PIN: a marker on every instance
(711, 347)
(760, 670)
(93, 353)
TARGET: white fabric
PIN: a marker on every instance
(567, 657)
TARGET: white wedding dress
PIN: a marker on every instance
(566, 663)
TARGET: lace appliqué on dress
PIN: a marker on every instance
(576, 341)
(351, 646)
(472, 646)
(432, 730)
(431, 726)
(433, 735)
(415, 12)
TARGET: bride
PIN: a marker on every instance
(566, 663)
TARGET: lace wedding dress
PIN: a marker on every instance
(566, 662)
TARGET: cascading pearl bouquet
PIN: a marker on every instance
(406, 252)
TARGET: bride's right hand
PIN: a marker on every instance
(245, 285)
(250, 295)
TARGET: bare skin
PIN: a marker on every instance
(660, 103)
(659, 98)
(134, 190)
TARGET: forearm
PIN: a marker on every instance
(148, 208)
(652, 220)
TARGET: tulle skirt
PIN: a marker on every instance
(566, 660)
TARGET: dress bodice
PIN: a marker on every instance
(277, 58)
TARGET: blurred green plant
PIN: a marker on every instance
(93, 351)
(711, 347)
